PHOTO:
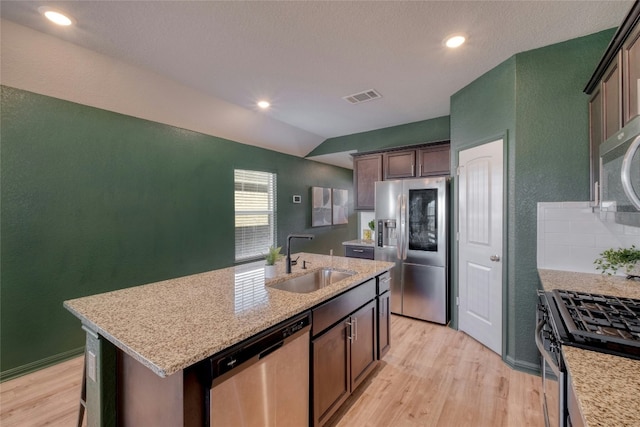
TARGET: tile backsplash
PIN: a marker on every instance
(571, 236)
(363, 220)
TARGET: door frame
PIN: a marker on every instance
(507, 190)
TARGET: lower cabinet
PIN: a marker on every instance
(345, 353)
(384, 323)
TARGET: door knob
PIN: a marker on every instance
(494, 258)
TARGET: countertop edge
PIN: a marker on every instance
(170, 368)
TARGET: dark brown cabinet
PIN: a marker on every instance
(366, 171)
(384, 324)
(384, 313)
(363, 343)
(631, 75)
(331, 382)
(408, 162)
(344, 348)
(611, 89)
(433, 161)
(399, 164)
(596, 138)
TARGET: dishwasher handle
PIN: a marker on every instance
(271, 349)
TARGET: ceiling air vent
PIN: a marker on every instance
(367, 95)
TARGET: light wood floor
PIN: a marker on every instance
(432, 376)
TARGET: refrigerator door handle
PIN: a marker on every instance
(403, 226)
(399, 230)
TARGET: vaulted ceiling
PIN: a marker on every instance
(305, 56)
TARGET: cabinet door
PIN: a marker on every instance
(366, 171)
(595, 137)
(363, 343)
(631, 75)
(400, 164)
(331, 376)
(434, 161)
(611, 97)
(384, 324)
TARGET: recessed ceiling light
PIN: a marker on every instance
(56, 16)
(264, 104)
(454, 40)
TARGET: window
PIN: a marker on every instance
(255, 213)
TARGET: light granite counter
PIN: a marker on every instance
(170, 325)
(607, 387)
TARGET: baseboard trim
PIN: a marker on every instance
(523, 366)
(19, 371)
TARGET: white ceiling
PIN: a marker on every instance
(304, 56)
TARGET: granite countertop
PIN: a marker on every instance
(359, 242)
(607, 387)
(170, 325)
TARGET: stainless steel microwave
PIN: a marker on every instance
(620, 174)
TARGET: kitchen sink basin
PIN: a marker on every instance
(312, 281)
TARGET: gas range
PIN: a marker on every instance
(596, 322)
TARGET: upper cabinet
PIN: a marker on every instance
(434, 160)
(631, 75)
(406, 162)
(366, 171)
(614, 88)
(611, 88)
(399, 164)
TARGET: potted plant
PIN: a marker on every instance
(369, 233)
(625, 259)
(273, 256)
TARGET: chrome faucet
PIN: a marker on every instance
(294, 236)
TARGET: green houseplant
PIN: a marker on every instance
(272, 256)
(625, 259)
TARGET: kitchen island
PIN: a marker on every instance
(171, 325)
(607, 387)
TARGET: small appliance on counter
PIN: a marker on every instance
(412, 231)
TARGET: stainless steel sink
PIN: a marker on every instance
(312, 281)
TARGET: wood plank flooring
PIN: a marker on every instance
(435, 376)
(432, 376)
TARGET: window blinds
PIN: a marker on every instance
(255, 213)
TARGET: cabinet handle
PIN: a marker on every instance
(413, 167)
(350, 336)
(420, 169)
(355, 329)
(358, 250)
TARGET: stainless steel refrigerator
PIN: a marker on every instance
(412, 231)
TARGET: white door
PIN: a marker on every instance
(480, 244)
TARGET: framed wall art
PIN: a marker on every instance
(321, 206)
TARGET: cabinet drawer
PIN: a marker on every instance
(358, 252)
(384, 282)
(341, 306)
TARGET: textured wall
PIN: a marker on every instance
(408, 134)
(552, 155)
(536, 99)
(94, 201)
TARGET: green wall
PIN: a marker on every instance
(93, 201)
(408, 134)
(546, 122)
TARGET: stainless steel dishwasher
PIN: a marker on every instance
(264, 381)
